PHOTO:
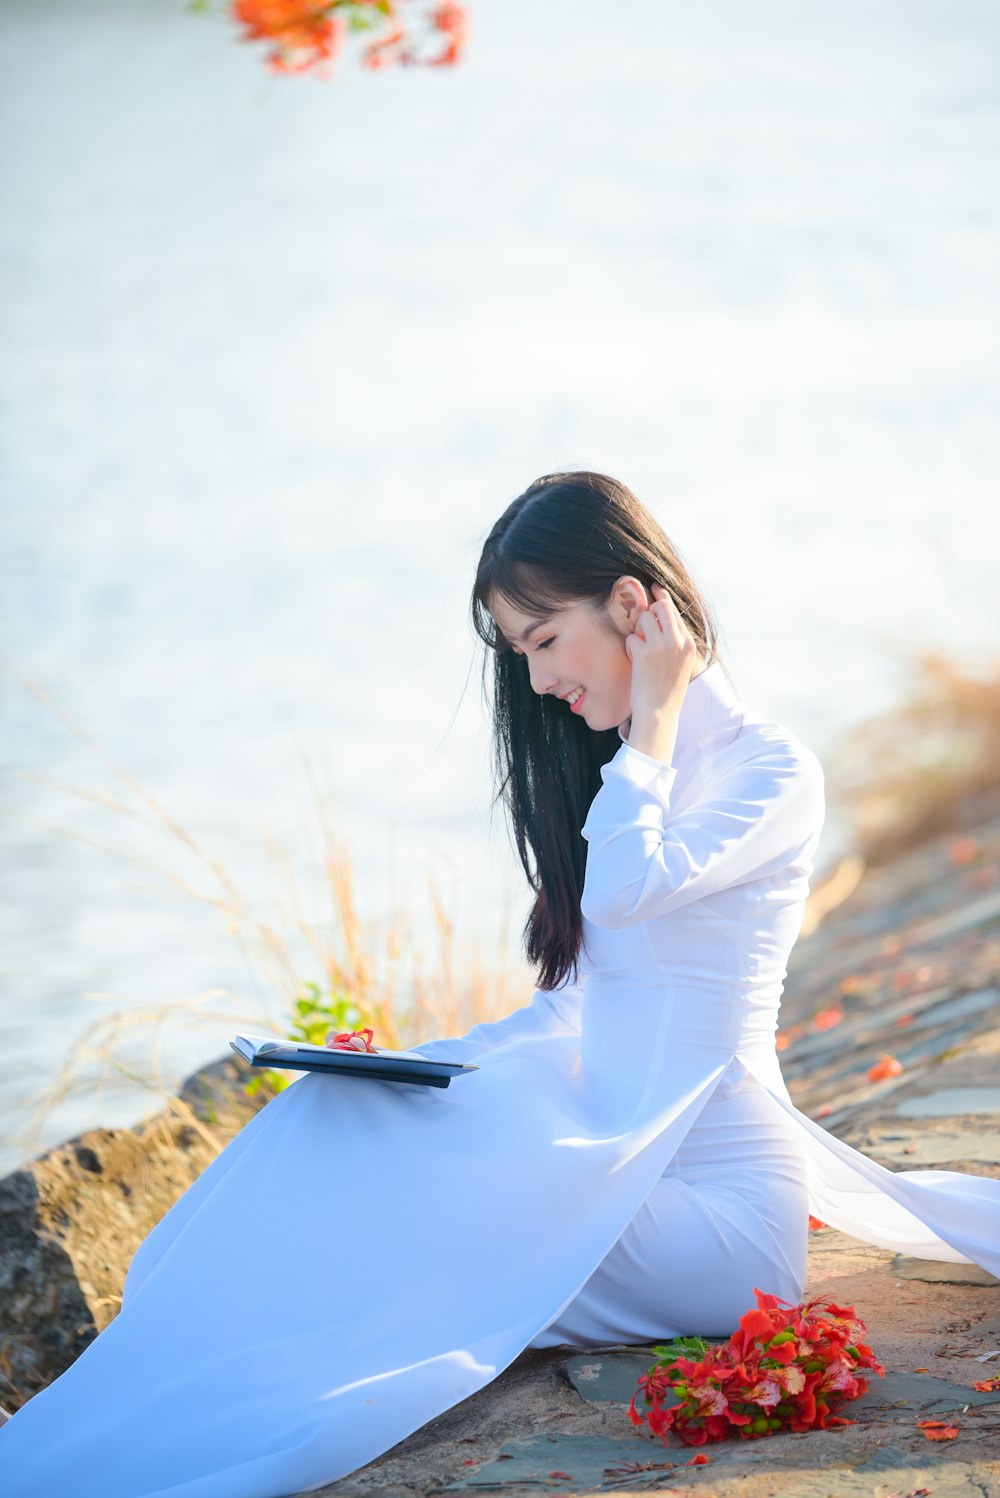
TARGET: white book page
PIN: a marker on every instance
(275, 1045)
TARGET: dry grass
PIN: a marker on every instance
(374, 966)
(928, 765)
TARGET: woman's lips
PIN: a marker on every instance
(574, 707)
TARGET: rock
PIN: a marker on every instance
(951, 1103)
(942, 1146)
(920, 1392)
(584, 1459)
(601, 1377)
(935, 1272)
(71, 1220)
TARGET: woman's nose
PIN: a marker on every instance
(542, 681)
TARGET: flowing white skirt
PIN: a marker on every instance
(728, 1215)
(364, 1255)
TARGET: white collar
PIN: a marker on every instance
(711, 707)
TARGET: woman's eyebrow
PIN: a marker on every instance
(533, 625)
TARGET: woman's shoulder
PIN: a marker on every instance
(763, 743)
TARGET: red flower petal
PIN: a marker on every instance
(885, 1066)
(937, 1430)
(755, 1323)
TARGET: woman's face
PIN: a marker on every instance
(580, 646)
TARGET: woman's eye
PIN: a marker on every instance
(546, 643)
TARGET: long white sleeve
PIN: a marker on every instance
(749, 821)
(548, 1012)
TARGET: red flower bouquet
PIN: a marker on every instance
(350, 1040)
(786, 1368)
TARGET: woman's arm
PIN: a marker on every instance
(750, 821)
(548, 1012)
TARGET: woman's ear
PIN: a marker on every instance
(626, 602)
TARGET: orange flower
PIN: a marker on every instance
(885, 1066)
(936, 1430)
(377, 53)
(815, 1224)
(825, 1019)
(453, 21)
(701, 1460)
(304, 33)
(987, 1385)
(963, 850)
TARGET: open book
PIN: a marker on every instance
(382, 1065)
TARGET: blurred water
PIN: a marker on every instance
(276, 353)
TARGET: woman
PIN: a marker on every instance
(624, 1165)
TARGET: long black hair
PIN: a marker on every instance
(566, 539)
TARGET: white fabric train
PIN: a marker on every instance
(626, 1164)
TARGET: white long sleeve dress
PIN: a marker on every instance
(626, 1164)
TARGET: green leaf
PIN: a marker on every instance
(316, 1016)
(693, 1348)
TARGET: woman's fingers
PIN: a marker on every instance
(663, 606)
(668, 610)
(648, 625)
(661, 616)
(657, 620)
(662, 653)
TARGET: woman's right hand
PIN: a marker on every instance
(664, 656)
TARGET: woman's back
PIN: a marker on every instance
(696, 882)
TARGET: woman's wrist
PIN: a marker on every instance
(655, 732)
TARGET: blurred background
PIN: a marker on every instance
(276, 352)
